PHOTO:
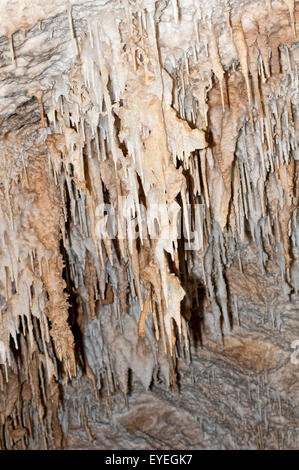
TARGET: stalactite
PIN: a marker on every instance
(216, 64)
(41, 109)
(74, 41)
(12, 51)
(291, 7)
(241, 46)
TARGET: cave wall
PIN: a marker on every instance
(149, 268)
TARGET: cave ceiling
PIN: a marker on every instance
(149, 237)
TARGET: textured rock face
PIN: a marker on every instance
(149, 242)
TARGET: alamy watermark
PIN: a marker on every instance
(295, 354)
(168, 222)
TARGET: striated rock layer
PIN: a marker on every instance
(149, 240)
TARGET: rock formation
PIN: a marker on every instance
(149, 237)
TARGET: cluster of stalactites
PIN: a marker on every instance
(124, 121)
(128, 130)
(34, 332)
(122, 136)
